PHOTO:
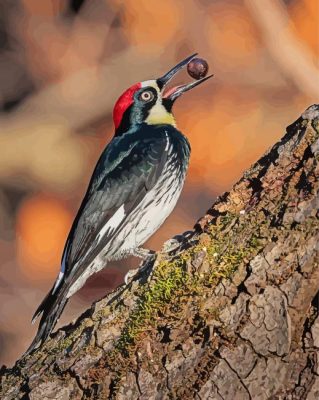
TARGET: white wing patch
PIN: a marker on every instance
(57, 282)
(62, 271)
(112, 223)
(167, 142)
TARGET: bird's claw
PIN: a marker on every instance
(177, 242)
(144, 265)
(130, 275)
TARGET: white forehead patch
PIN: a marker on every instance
(151, 83)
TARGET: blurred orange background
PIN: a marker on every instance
(63, 63)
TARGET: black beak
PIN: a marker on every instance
(172, 94)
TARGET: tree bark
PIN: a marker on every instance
(230, 313)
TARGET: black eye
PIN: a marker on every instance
(147, 96)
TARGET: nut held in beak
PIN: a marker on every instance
(197, 68)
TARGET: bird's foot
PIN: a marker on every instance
(178, 242)
(171, 244)
(144, 254)
(148, 257)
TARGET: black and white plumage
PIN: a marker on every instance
(134, 187)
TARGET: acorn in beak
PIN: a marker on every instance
(170, 95)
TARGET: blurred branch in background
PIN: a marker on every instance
(288, 52)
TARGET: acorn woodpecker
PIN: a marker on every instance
(134, 187)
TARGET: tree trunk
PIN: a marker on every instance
(231, 313)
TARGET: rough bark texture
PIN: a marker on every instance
(232, 313)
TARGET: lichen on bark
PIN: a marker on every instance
(232, 312)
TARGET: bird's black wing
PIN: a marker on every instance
(124, 174)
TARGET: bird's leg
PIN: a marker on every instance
(147, 257)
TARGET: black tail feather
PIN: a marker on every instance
(51, 309)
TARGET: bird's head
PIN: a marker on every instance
(150, 101)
